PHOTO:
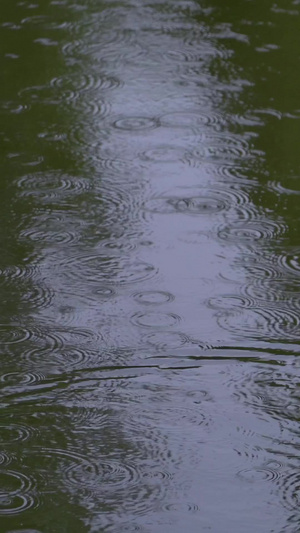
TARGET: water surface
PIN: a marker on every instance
(150, 266)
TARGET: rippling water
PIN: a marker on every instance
(150, 266)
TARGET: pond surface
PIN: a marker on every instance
(150, 266)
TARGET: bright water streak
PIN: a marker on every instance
(150, 266)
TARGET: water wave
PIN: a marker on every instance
(135, 123)
(258, 474)
(153, 297)
(252, 231)
(155, 320)
(52, 186)
(166, 340)
(98, 270)
(269, 323)
(16, 492)
(12, 433)
(194, 119)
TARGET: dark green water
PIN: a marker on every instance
(149, 266)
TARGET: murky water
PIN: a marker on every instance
(150, 266)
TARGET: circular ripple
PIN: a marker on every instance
(220, 147)
(290, 264)
(75, 337)
(203, 200)
(117, 204)
(191, 119)
(21, 378)
(70, 358)
(49, 228)
(157, 475)
(18, 272)
(166, 340)
(63, 348)
(108, 473)
(99, 270)
(181, 507)
(15, 494)
(286, 323)
(178, 417)
(5, 458)
(260, 268)
(292, 300)
(105, 292)
(31, 293)
(135, 123)
(121, 245)
(228, 171)
(259, 474)
(93, 475)
(230, 302)
(199, 206)
(13, 334)
(91, 107)
(44, 341)
(251, 231)
(105, 161)
(91, 416)
(208, 203)
(280, 189)
(269, 393)
(153, 297)
(262, 323)
(87, 133)
(164, 154)
(37, 296)
(49, 238)
(198, 396)
(291, 491)
(83, 82)
(155, 320)
(111, 45)
(51, 185)
(262, 291)
(12, 433)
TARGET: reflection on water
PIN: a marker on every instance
(150, 266)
